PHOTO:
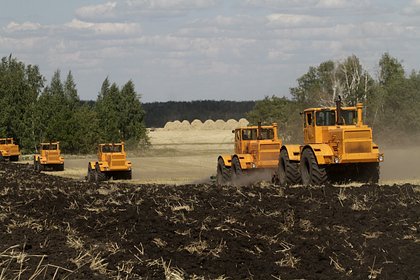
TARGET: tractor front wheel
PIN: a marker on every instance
(223, 173)
(288, 172)
(311, 172)
(236, 170)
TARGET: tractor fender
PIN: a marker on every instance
(323, 152)
(293, 151)
(227, 159)
(92, 165)
(246, 160)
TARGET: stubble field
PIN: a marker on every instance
(172, 223)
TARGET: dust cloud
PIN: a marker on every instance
(401, 165)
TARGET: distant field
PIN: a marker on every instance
(180, 157)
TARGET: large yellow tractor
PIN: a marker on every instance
(9, 150)
(112, 162)
(256, 149)
(338, 147)
(49, 157)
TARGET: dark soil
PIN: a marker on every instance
(56, 228)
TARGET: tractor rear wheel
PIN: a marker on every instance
(311, 172)
(14, 158)
(223, 173)
(90, 176)
(236, 170)
(288, 172)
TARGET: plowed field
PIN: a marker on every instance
(58, 228)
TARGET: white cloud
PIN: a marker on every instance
(413, 8)
(107, 28)
(107, 10)
(291, 20)
(171, 4)
(26, 26)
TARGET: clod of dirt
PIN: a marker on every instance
(57, 228)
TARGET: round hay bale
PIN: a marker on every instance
(219, 124)
(169, 126)
(185, 125)
(243, 122)
(208, 125)
(196, 124)
(232, 124)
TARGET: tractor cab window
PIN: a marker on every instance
(325, 118)
(266, 134)
(308, 119)
(348, 117)
(249, 134)
(49, 147)
(112, 149)
(6, 141)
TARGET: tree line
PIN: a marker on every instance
(391, 100)
(33, 112)
(159, 113)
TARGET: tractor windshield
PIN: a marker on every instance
(327, 117)
(49, 147)
(266, 134)
(5, 141)
(249, 134)
(111, 149)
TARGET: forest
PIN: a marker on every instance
(34, 111)
(390, 100)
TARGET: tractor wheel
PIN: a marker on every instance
(236, 170)
(311, 172)
(61, 167)
(128, 175)
(90, 176)
(14, 158)
(223, 173)
(369, 172)
(99, 175)
(287, 172)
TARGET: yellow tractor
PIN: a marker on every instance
(338, 147)
(256, 149)
(49, 157)
(8, 149)
(112, 162)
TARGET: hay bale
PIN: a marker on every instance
(208, 125)
(185, 125)
(231, 124)
(196, 124)
(243, 122)
(168, 126)
(219, 124)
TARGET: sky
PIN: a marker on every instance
(183, 50)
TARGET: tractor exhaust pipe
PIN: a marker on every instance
(359, 107)
(338, 120)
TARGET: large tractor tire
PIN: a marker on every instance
(223, 173)
(311, 172)
(287, 172)
(14, 158)
(369, 172)
(237, 172)
(99, 175)
(36, 165)
(90, 177)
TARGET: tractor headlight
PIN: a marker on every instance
(336, 160)
(381, 158)
(253, 165)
